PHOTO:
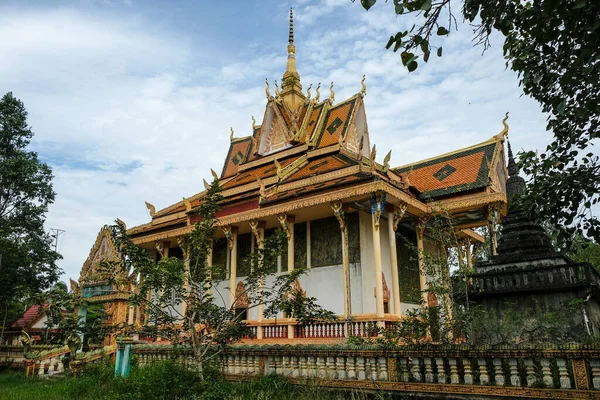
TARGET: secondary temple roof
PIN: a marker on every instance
(308, 146)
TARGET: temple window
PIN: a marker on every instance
(176, 252)
(244, 248)
(408, 266)
(326, 241)
(219, 259)
(300, 245)
(271, 269)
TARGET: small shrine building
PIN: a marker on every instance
(310, 168)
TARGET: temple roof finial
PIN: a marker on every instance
(515, 185)
(513, 170)
(291, 89)
(291, 36)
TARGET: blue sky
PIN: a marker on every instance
(132, 101)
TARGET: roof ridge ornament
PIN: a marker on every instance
(318, 96)
(151, 209)
(253, 123)
(268, 90)
(308, 92)
(231, 134)
(363, 90)
(331, 94)
(504, 132)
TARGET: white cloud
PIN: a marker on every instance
(127, 113)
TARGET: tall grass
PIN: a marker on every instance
(162, 381)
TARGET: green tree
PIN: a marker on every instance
(207, 324)
(28, 263)
(554, 46)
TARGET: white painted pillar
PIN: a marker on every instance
(233, 266)
(394, 263)
(420, 228)
(376, 211)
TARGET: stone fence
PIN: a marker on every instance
(569, 372)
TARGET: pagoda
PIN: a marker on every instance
(529, 276)
(309, 168)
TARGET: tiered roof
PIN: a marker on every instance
(307, 146)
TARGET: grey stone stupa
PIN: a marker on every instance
(528, 273)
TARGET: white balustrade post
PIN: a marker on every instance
(595, 370)
(416, 369)
(428, 370)
(373, 368)
(403, 366)
(499, 374)
(341, 367)
(454, 378)
(546, 372)
(484, 378)
(468, 373)
(565, 382)
(515, 379)
(382, 369)
(441, 370)
(351, 369)
(529, 369)
(360, 369)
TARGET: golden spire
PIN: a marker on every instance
(290, 84)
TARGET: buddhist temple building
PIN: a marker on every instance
(309, 167)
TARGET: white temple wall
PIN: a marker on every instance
(326, 284)
(356, 289)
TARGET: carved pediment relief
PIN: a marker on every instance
(104, 249)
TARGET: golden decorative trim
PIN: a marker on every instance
(474, 201)
(112, 255)
(283, 221)
(151, 209)
(269, 158)
(398, 214)
(228, 235)
(363, 90)
(580, 375)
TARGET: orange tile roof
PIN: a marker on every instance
(263, 171)
(313, 119)
(453, 173)
(336, 123)
(237, 154)
(321, 165)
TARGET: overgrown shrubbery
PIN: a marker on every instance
(160, 381)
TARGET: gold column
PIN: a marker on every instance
(377, 205)
(339, 214)
(233, 266)
(395, 214)
(287, 224)
(258, 230)
(420, 228)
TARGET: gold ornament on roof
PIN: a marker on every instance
(372, 157)
(386, 162)
(214, 174)
(308, 92)
(188, 204)
(261, 188)
(279, 169)
(206, 184)
(363, 90)
(331, 94)
(268, 89)
(122, 224)
(318, 96)
(277, 94)
(505, 130)
(231, 134)
(253, 123)
(151, 209)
